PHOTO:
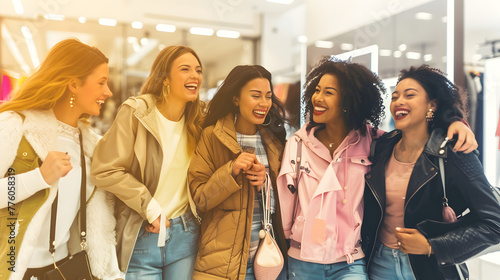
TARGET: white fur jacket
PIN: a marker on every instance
(40, 128)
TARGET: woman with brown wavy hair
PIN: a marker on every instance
(157, 224)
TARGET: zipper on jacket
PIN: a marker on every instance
(379, 222)
(404, 212)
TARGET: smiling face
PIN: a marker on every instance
(410, 104)
(327, 101)
(91, 93)
(254, 102)
(184, 79)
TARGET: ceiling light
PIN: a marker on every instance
(107, 21)
(444, 19)
(228, 34)
(31, 46)
(144, 41)
(165, 27)
(286, 2)
(82, 19)
(413, 55)
(397, 54)
(423, 16)
(443, 59)
(402, 47)
(54, 17)
(132, 40)
(384, 52)
(427, 57)
(201, 31)
(324, 44)
(346, 47)
(14, 49)
(18, 6)
(137, 24)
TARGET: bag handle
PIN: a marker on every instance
(83, 208)
(266, 203)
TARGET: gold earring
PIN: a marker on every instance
(72, 101)
(430, 115)
(168, 89)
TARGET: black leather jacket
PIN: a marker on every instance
(466, 188)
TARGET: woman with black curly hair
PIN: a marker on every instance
(409, 230)
(321, 181)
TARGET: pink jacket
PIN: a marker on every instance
(330, 204)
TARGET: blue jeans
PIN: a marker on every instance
(175, 260)
(298, 269)
(389, 264)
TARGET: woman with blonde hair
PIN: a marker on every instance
(44, 128)
(157, 224)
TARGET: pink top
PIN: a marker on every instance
(397, 177)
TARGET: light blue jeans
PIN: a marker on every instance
(389, 264)
(298, 269)
(175, 260)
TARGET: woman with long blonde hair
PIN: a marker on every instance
(44, 128)
(157, 227)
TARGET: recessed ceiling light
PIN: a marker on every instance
(82, 19)
(423, 16)
(302, 39)
(136, 25)
(324, 44)
(402, 47)
(228, 34)
(346, 47)
(54, 17)
(201, 31)
(107, 21)
(413, 55)
(428, 57)
(397, 54)
(165, 27)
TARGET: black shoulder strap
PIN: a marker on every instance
(83, 207)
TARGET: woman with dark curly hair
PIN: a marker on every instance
(242, 140)
(409, 230)
(321, 181)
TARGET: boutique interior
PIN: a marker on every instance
(287, 37)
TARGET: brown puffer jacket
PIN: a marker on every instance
(225, 204)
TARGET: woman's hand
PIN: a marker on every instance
(243, 163)
(256, 175)
(466, 141)
(154, 227)
(55, 166)
(411, 241)
(251, 167)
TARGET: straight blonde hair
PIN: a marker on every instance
(67, 60)
(154, 85)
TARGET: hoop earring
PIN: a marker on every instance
(345, 110)
(72, 101)
(268, 122)
(429, 117)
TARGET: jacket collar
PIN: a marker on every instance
(146, 114)
(225, 131)
(40, 127)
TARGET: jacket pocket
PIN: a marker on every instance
(298, 228)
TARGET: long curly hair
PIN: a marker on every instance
(222, 103)
(154, 85)
(361, 91)
(451, 102)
